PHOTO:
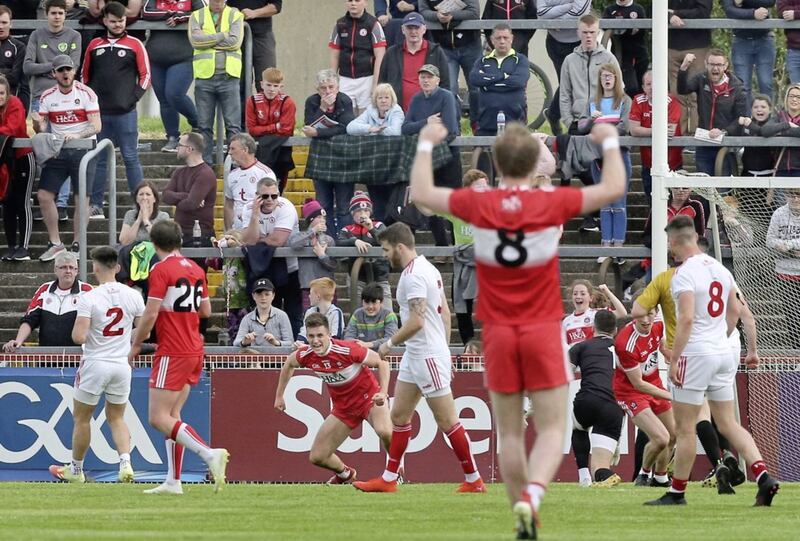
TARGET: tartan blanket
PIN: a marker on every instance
(367, 159)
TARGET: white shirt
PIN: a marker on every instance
(68, 114)
(421, 280)
(283, 217)
(111, 308)
(578, 327)
(711, 284)
(240, 187)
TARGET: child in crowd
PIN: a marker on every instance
(321, 295)
(313, 236)
(363, 234)
(372, 324)
(266, 325)
(631, 44)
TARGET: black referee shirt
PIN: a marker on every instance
(596, 362)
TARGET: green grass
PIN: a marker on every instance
(417, 511)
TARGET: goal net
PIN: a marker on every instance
(770, 395)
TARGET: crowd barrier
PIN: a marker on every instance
(233, 406)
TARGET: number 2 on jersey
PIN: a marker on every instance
(190, 296)
(115, 313)
(716, 304)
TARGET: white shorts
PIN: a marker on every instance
(711, 376)
(431, 374)
(358, 90)
(95, 378)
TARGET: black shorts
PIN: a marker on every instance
(603, 416)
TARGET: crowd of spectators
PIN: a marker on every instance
(394, 67)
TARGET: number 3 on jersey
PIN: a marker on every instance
(716, 304)
(189, 296)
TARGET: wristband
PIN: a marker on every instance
(610, 144)
(424, 146)
(389, 343)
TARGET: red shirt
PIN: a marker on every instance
(642, 112)
(411, 64)
(180, 284)
(637, 350)
(342, 369)
(263, 115)
(516, 233)
(12, 123)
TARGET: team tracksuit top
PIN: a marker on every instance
(118, 70)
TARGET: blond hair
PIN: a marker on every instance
(384, 88)
(324, 287)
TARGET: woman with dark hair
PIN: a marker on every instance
(137, 222)
(17, 215)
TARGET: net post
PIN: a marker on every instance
(660, 167)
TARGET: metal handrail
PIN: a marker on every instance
(111, 171)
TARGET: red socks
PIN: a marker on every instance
(401, 435)
(758, 469)
(459, 440)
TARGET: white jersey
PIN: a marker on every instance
(68, 114)
(421, 280)
(579, 327)
(111, 307)
(283, 217)
(711, 284)
(240, 187)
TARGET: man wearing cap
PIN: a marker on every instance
(240, 182)
(69, 109)
(402, 61)
(501, 78)
(266, 325)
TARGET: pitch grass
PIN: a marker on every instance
(417, 511)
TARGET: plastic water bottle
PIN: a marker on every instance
(196, 234)
(501, 122)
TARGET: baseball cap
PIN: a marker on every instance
(263, 284)
(413, 19)
(429, 68)
(63, 61)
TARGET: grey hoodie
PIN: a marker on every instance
(579, 81)
(43, 46)
(784, 231)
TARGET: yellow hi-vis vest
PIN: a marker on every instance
(204, 60)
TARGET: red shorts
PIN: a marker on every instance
(355, 406)
(529, 357)
(173, 373)
(634, 404)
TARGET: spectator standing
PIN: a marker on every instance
(630, 44)
(240, 184)
(117, 68)
(314, 236)
(720, 102)
(372, 324)
(53, 307)
(270, 117)
(640, 124)
(436, 105)
(786, 123)
(759, 161)
(789, 10)
(383, 116)
(560, 43)
(390, 14)
(783, 237)
(580, 73)
(216, 33)
(357, 47)
(752, 48)
(138, 221)
(327, 113)
(266, 325)
(462, 47)
(401, 63)
(501, 78)
(684, 42)
(270, 220)
(17, 215)
(171, 65)
(12, 56)
(259, 14)
(70, 110)
(192, 189)
(512, 10)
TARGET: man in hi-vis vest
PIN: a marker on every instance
(216, 34)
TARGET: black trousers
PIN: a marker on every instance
(17, 215)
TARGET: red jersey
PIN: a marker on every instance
(342, 369)
(516, 232)
(642, 112)
(637, 350)
(263, 115)
(180, 284)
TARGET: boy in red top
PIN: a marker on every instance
(641, 394)
(517, 229)
(356, 394)
(178, 298)
(270, 117)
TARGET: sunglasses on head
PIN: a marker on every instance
(272, 196)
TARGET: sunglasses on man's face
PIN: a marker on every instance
(272, 196)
